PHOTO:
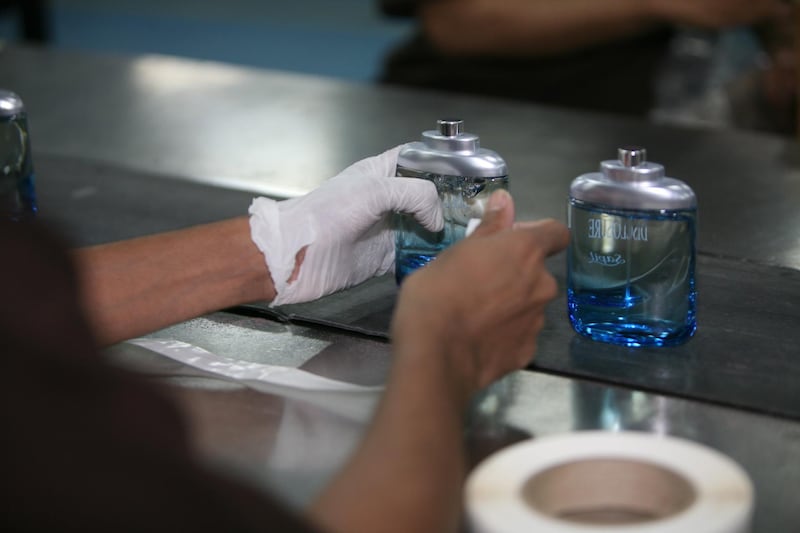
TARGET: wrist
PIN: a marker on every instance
(256, 278)
(281, 242)
(427, 341)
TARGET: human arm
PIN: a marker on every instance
(522, 28)
(461, 322)
(137, 286)
(295, 250)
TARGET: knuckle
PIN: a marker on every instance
(538, 323)
(549, 286)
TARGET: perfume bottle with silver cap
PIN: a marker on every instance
(465, 175)
(631, 258)
(17, 191)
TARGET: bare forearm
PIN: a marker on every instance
(448, 343)
(531, 27)
(410, 466)
(548, 27)
(137, 286)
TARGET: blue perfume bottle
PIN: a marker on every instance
(17, 191)
(465, 175)
(631, 257)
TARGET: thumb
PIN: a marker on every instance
(499, 214)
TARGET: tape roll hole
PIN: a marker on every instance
(608, 491)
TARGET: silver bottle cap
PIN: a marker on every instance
(449, 151)
(630, 156)
(632, 165)
(10, 104)
(632, 182)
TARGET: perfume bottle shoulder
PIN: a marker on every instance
(646, 195)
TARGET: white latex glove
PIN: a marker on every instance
(345, 225)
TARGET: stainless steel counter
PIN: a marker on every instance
(282, 134)
(129, 146)
(293, 447)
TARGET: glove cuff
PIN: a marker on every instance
(279, 240)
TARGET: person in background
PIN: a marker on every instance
(90, 447)
(766, 98)
(598, 55)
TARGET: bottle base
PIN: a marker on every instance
(635, 335)
(405, 264)
(26, 215)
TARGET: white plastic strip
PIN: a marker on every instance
(348, 399)
(472, 225)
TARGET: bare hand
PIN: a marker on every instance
(481, 303)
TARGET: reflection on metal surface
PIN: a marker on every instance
(620, 409)
(206, 98)
(663, 364)
(489, 427)
(155, 74)
(310, 445)
(206, 122)
(282, 135)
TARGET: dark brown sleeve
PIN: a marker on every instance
(86, 446)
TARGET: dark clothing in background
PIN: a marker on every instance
(617, 77)
(86, 446)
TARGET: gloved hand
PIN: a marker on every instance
(339, 234)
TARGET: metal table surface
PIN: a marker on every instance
(282, 134)
(126, 146)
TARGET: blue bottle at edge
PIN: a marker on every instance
(631, 258)
(465, 175)
(17, 191)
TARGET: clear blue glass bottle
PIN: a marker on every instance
(631, 258)
(465, 175)
(17, 191)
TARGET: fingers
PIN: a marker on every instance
(548, 286)
(416, 197)
(377, 166)
(499, 214)
(551, 235)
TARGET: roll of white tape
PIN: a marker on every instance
(595, 481)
